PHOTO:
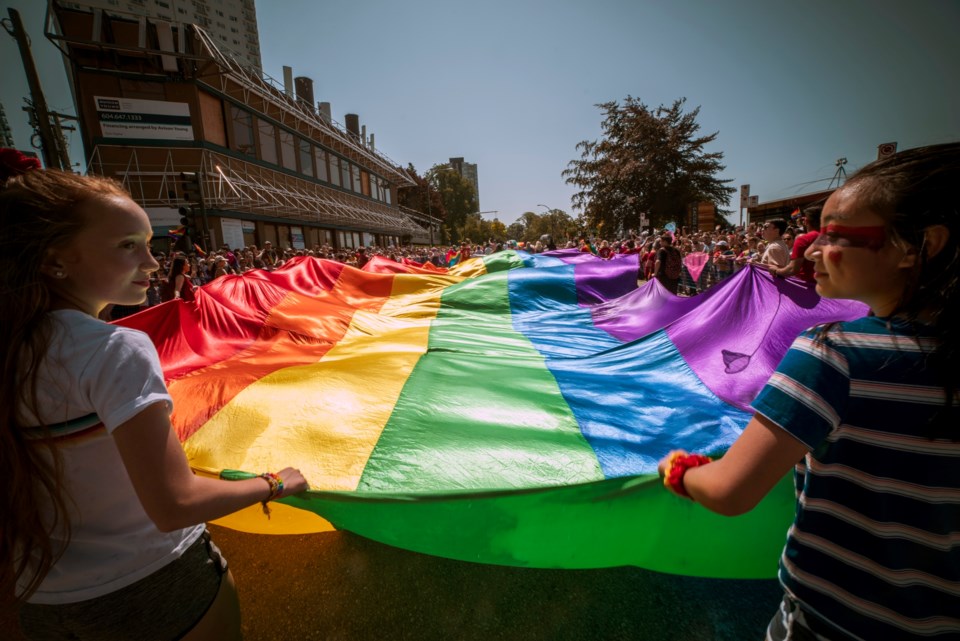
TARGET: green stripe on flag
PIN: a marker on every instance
(625, 521)
(464, 428)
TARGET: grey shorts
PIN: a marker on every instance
(165, 605)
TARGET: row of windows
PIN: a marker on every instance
(277, 146)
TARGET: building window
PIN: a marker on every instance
(375, 187)
(288, 152)
(357, 185)
(365, 183)
(345, 174)
(306, 157)
(268, 141)
(335, 170)
(242, 128)
(321, 157)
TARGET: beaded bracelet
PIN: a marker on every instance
(678, 464)
(276, 489)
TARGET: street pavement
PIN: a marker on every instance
(338, 586)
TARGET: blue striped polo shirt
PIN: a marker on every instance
(875, 546)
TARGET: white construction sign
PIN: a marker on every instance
(232, 233)
(155, 119)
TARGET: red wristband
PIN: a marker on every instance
(679, 464)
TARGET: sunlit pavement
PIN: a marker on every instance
(339, 586)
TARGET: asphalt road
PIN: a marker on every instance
(337, 586)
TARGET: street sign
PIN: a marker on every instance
(886, 150)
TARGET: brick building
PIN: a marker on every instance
(157, 99)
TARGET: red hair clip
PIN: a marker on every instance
(15, 163)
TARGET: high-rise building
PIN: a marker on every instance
(468, 170)
(231, 23)
(6, 135)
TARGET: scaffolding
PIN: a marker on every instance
(229, 185)
(161, 49)
(268, 89)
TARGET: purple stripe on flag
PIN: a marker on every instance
(734, 335)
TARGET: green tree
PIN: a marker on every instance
(497, 231)
(648, 161)
(458, 196)
(556, 222)
(480, 231)
(559, 225)
(423, 198)
(472, 229)
(515, 231)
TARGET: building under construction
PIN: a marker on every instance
(186, 128)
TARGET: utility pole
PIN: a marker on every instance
(839, 174)
(54, 155)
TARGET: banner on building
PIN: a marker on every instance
(163, 217)
(296, 237)
(155, 119)
(232, 233)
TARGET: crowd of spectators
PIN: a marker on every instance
(777, 245)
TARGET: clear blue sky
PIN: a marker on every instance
(511, 85)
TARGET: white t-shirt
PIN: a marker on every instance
(777, 253)
(94, 378)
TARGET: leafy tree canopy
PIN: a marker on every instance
(423, 197)
(515, 231)
(648, 161)
(531, 226)
(480, 231)
(458, 196)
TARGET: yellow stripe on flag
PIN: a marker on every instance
(323, 418)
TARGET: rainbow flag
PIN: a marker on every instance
(511, 410)
(177, 232)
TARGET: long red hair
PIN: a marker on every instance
(38, 212)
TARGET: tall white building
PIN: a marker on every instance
(231, 23)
